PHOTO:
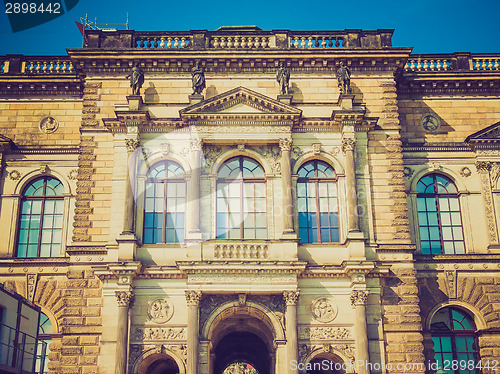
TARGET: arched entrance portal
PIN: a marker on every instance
(243, 349)
(243, 339)
(159, 363)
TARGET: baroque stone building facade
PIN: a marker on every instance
(246, 227)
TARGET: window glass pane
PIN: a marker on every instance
(32, 250)
(260, 205)
(454, 206)
(459, 247)
(447, 233)
(36, 207)
(334, 235)
(325, 235)
(421, 205)
(457, 233)
(261, 233)
(431, 204)
(324, 219)
(445, 219)
(443, 204)
(303, 235)
(248, 233)
(301, 189)
(23, 236)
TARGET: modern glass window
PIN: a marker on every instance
(45, 331)
(317, 203)
(439, 216)
(241, 200)
(164, 203)
(454, 337)
(41, 219)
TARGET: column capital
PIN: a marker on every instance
(195, 144)
(193, 298)
(348, 144)
(124, 298)
(132, 144)
(285, 144)
(291, 297)
(359, 297)
(483, 166)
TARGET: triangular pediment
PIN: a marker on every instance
(241, 102)
(490, 134)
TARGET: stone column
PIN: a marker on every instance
(128, 215)
(291, 299)
(286, 182)
(488, 182)
(358, 301)
(193, 301)
(348, 145)
(194, 186)
(124, 299)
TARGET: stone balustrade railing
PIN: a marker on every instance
(453, 61)
(240, 41)
(36, 64)
(316, 41)
(161, 42)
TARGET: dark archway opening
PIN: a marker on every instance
(163, 366)
(243, 347)
(324, 365)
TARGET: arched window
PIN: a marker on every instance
(164, 205)
(439, 216)
(453, 334)
(41, 219)
(317, 203)
(241, 200)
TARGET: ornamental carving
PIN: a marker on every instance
(158, 333)
(14, 175)
(165, 149)
(73, 174)
(320, 333)
(124, 298)
(494, 173)
(316, 149)
(291, 297)
(48, 125)
(193, 298)
(285, 144)
(451, 283)
(31, 280)
(132, 144)
(274, 302)
(212, 153)
(296, 152)
(160, 310)
(323, 310)
(211, 302)
(483, 166)
(306, 350)
(465, 172)
(408, 172)
(348, 144)
(359, 297)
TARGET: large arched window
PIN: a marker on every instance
(164, 205)
(439, 216)
(45, 332)
(241, 200)
(317, 203)
(41, 219)
(453, 334)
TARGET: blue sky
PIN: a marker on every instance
(439, 26)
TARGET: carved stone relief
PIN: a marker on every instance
(158, 333)
(160, 310)
(48, 125)
(320, 333)
(324, 310)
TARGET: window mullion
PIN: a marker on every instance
(42, 211)
(164, 223)
(318, 221)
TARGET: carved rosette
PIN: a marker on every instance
(285, 144)
(348, 144)
(124, 298)
(291, 297)
(359, 297)
(193, 298)
(132, 144)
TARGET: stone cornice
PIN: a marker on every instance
(240, 267)
(40, 85)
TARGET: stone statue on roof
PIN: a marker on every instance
(344, 78)
(198, 78)
(283, 77)
(136, 79)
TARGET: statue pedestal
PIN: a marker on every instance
(346, 101)
(134, 102)
(285, 99)
(195, 99)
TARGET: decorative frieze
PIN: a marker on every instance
(324, 333)
(158, 333)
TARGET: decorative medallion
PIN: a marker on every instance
(465, 172)
(15, 175)
(48, 125)
(408, 172)
(160, 311)
(73, 174)
(324, 310)
(430, 123)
